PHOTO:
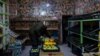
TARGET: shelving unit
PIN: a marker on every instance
(80, 38)
(24, 25)
(4, 24)
(53, 28)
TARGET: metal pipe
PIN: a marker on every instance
(4, 38)
(93, 31)
(81, 35)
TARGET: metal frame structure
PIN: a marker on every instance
(80, 33)
(4, 23)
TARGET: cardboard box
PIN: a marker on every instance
(51, 54)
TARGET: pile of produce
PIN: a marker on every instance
(50, 44)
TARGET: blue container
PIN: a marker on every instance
(17, 50)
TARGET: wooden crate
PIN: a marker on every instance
(51, 54)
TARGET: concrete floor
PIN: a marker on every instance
(66, 50)
(26, 51)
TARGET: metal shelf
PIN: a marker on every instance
(74, 44)
(77, 44)
(52, 28)
(84, 20)
(81, 33)
(2, 25)
(85, 36)
(6, 14)
(21, 28)
(77, 29)
(90, 48)
(86, 17)
(4, 22)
